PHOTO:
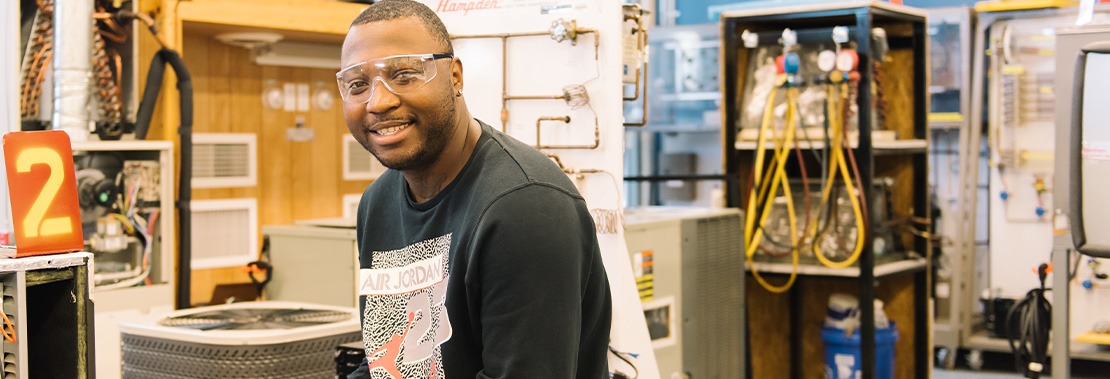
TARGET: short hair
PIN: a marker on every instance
(386, 10)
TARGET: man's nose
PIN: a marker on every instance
(381, 98)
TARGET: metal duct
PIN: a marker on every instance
(73, 28)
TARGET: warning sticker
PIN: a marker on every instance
(643, 267)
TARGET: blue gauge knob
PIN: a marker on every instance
(1040, 211)
(791, 63)
(1088, 284)
(1005, 195)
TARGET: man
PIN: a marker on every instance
(479, 258)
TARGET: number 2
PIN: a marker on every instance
(33, 224)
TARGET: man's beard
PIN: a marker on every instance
(436, 132)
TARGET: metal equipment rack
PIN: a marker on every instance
(906, 157)
(950, 37)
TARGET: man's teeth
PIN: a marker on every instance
(388, 131)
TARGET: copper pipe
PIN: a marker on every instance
(43, 44)
(153, 28)
(644, 101)
(107, 83)
(539, 97)
(499, 35)
(641, 41)
(505, 97)
(566, 119)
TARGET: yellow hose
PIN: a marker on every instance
(837, 164)
(766, 193)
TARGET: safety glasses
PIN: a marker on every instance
(401, 74)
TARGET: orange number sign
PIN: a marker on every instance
(43, 190)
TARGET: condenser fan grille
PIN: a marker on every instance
(267, 339)
(255, 319)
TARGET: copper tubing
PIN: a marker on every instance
(641, 41)
(42, 42)
(150, 25)
(540, 97)
(566, 119)
(107, 83)
(643, 100)
(505, 97)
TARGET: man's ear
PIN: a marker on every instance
(457, 74)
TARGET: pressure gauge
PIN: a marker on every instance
(846, 61)
(791, 63)
(826, 60)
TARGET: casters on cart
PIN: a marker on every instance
(975, 360)
(946, 358)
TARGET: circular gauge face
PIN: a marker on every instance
(826, 60)
(846, 60)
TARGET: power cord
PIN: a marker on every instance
(620, 375)
(261, 267)
(1028, 336)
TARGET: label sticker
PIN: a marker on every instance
(398, 280)
(1096, 150)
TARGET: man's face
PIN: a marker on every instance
(408, 131)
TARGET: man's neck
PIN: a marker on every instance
(426, 183)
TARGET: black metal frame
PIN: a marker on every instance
(860, 21)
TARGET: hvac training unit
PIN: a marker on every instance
(1081, 82)
(126, 191)
(688, 268)
(267, 339)
(314, 263)
(1023, 66)
(47, 317)
(834, 94)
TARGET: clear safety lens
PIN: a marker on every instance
(401, 74)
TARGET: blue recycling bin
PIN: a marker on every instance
(842, 352)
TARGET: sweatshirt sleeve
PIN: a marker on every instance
(545, 309)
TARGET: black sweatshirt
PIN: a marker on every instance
(507, 252)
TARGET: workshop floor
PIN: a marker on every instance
(968, 374)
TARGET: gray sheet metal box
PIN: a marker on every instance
(689, 267)
(313, 264)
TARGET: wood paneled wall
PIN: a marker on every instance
(296, 180)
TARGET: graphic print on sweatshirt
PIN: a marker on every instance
(405, 319)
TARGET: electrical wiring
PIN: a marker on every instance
(1028, 334)
(761, 202)
(620, 355)
(8, 330)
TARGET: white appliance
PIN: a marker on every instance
(314, 262)
(121, 290)
(689, 268)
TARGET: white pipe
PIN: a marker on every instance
(73, 28)
(9, 100)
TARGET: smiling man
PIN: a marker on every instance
(478, 256)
